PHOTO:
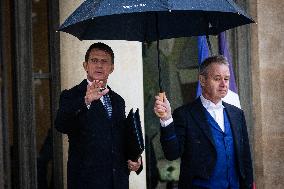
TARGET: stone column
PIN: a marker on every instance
(268, 95)
(126, 80)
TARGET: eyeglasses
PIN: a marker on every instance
(96, 61)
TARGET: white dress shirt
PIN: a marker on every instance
(215, 110)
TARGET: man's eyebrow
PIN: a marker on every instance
(217, 75)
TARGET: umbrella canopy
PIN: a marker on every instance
(150, 20)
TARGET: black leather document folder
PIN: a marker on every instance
(134, 135)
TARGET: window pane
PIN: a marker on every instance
(40, 36)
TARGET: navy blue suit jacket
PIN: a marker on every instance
(189, 137)
(97, 154)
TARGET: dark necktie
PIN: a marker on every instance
(107, 105)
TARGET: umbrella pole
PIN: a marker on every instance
(161, 93)
(159, 66)
(158, 51)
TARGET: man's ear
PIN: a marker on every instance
(85, 66)
(202, 80)
(112, 68)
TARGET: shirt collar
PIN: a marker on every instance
(210, 105)
(89, 82)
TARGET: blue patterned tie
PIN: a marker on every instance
(107, 105)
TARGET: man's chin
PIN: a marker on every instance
(99, 78)
(223, 94)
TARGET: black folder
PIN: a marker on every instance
(134, 136)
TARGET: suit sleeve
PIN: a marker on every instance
(69, 107)
(173, 136)
(247, 161)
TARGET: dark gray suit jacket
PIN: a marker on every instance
(97, 154)
(190, 138)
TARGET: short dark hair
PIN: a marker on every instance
(100, 46)
(217, 59)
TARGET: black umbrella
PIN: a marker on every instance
(151, 20)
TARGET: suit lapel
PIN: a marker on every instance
(82, 87)
(101, 108)
(235, 127)
(198, 112)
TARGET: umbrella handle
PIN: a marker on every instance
(161, 96)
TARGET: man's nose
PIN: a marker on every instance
(223, 82)
(100, 63)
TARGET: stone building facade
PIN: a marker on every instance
(36, 63)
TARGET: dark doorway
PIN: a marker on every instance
(30, 86)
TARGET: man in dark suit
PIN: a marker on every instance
(92, 116)
(210, 136)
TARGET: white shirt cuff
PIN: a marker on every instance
(167, 122)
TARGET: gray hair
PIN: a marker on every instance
(218, 59)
